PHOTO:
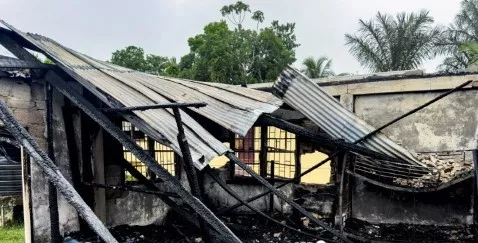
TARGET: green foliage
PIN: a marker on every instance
(400, 43)
(133, 57)
(48, 61)
(223, 54)
(130, 57)
(317, 68)
(12, 233)
(239, 55)
(470, 49)
(463, 30)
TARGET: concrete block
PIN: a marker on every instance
(14, 103)
(37, 92)
(29, 117)
(40, 105)
(37, 131)
(6, 85)
(21, 91)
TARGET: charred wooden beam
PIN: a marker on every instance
(411, 190)
(319, 138)
(102, 120)
(180, 210)
(282, 196)
(143, 156)
(341, 191)
(52, 194)
(156, 106)
(189, 166)
(12, 63)
(231, 192)
(53, 173)
(132, 189)
(295, 128)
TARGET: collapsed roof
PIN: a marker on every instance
(325, 111)
(233, 107)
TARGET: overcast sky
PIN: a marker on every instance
(162, 27)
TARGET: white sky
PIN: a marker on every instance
(161, 27)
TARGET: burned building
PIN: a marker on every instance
(106, 146)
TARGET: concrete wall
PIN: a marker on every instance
(452, 206)
(26, 100)
(136, 208)
(449, 124)
(220, 198)
(143, 209)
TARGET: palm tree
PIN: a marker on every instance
(391, 44)
(317, 68)
(458, 35)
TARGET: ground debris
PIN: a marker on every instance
(248, 228)
(366, 232)
(443, 170)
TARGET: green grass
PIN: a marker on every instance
(12, 234)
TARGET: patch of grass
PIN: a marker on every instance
(12, 233)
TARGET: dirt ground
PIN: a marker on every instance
(247, 228)
(251, 229)
(365, 232)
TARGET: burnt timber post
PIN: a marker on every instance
(475, 190)
(96, 115)
(189, 167)
(52, 194)
(340, 209)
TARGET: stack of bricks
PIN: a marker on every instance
(444, 166)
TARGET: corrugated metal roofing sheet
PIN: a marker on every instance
(235, 108)
(316, 104)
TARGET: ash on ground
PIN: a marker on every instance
(361, 231)
(442, 171)
(248, 228)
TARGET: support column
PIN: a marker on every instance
(189, 168)
(348, 101)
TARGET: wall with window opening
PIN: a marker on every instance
(281, 154)
(163, 155)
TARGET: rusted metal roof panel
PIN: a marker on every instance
(316, 104)
(234, 108)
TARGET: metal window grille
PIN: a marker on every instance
(247, 149)
(162, 154)
(281, 146)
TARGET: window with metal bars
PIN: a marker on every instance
(162, 154)
(278, 156)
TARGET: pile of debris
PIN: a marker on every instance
(442, 171)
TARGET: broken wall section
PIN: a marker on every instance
(446, 130)
(26, 99)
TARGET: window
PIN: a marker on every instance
(281, 148)
(280, 153)
(247, 150)
(162, 154)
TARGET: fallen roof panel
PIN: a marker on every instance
(316, 104)
(235, 108)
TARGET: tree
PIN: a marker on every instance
(133, 57)
(317, 68)
(238, 55)
(458, 35)
(234, 55)
(400, 43)
(130, 57)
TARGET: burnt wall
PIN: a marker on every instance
(218, 198)
(449, 124)
(452, 206)
(26, 99)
